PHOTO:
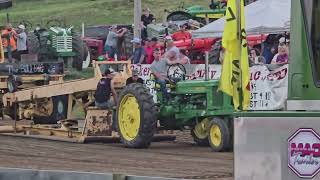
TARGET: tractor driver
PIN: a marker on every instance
(159, 68)
(105, 88)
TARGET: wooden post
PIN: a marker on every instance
(137, 18)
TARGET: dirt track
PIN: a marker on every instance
(167, 159)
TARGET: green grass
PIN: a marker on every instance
(90, 12)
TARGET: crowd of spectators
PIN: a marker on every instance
(144, 48)
(274, 50)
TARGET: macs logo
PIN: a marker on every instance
(304, 153)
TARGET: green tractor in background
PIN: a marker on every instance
(56, 44)
(217, 10)
(194, 105)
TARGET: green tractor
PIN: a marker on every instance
(58, 43)
(217, 10)
(194, 105)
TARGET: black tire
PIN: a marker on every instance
(200, 142)
(225, 139)
(81, 50)
(60, 110)
(148, 120)
(39, 47)
(179, 16)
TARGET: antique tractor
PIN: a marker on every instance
(199, 13)
(194, 105)
(58, 43)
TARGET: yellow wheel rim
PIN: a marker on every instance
(129, 117)
(215, 135)
(201, 129)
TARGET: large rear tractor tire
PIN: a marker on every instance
(81, 50)
(179, 16)
(59, 111)
(136, 116)
(200, 133)
(39, 47)
(219, 135)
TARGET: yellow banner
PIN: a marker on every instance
(235, 70)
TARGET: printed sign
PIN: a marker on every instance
(32, 68)
(268, 87)
(304, 153)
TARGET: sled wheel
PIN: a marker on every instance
(136, 116)
(59, 111)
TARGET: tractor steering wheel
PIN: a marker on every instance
(176, 72)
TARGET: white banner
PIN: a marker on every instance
(268, 87)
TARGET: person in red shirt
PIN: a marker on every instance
(183, 34)
(148, 48)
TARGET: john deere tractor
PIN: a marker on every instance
(216, 10)
(194, 105)
(58, 43)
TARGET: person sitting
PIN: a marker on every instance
(183, 34)
(104, 90)
(139, 53)
(254, 57)
(282, 57)
(184, 59)
(149, 51)
(159, 69)
(135, 78)
(171, 47)
(146, 19)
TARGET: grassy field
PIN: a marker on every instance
(90, 12)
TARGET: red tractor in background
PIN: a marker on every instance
(196, 48)
(95, 38)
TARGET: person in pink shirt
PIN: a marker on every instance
(149, 48)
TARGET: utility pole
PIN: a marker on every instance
(137, 18)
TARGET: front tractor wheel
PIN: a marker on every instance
(136, 116)
(200, 133)
(219, 135)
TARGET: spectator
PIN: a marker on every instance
(155, 43)
(112, 40)
(8, 41)
(184, 59)
(146, 19)
(282, 57)
(269, 48)
(104, 90)
(21, 41)
(183, 34)
(171, 47)
(139, 53)
(149, 51)
(254, 57)
(159, 69)
(214, 54)
(135, 78)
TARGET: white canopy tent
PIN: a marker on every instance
(262, 17)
